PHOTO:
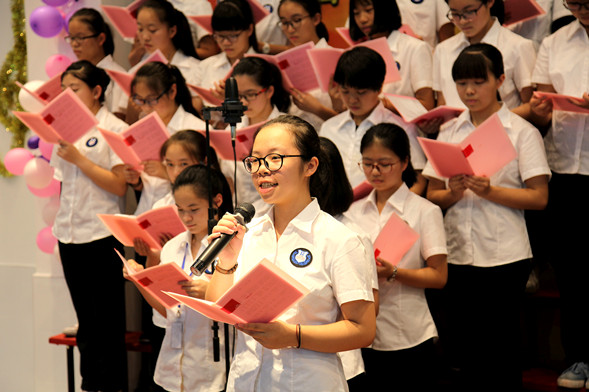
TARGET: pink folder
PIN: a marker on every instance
(206, 95)
(148, 226)
(65, 117)
(565, 103)
(244, 140)
(157, 279)
(203, 21)
(521, 10)
(482, 153)
(344, 33)
(140, 142)
(46, 92)
(324, 61)
(413, 111)
(362, 190)
(258, 10)
(124, 18)
(124, 79)
(260, 296)
(294, 64)
(394, 240)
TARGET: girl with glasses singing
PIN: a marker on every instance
(91, 39)
(299, 350)
(404, 340)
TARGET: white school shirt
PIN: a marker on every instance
(404, 319)
(216, 68)
(246, 190)
(113, 93)
(352, 359)
(155, 188)
(414, 61)
(81, 199)
(342, 131)
(519, 57)
(425, 17)
(185, 361)
(563, 62)
(267, 30)
(322, 96)
(193, 8)
(480, 232)
(328, 254)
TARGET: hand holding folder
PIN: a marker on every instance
(394, 240)
(565, 103)
(66, 117)
(260, 296)
(148, 226)
(482, 153)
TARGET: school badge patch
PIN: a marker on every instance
(301, 257)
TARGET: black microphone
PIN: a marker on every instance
(232, 107)
(244, 214)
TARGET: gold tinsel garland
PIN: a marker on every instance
(14, 69)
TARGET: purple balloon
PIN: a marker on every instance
(55, 3)
(46, 21)
(33, 142)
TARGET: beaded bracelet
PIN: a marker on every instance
(393, 275)
(226, 271)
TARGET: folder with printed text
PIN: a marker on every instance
(482, 153)
(124, 79)
(124, 18)
(260, 296)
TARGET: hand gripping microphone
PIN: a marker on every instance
(232, 107)
(244, 214)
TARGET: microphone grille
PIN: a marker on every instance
(246, 210)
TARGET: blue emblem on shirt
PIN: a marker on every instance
(398, 65)
(269, 7)
(91, 142)
(301, 257)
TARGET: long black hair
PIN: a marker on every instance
(90, 74)
(194, 143)
(341, 194)
(96, 24)
(160, 77)
(233, 15)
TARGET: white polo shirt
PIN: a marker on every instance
(267, 30)
(538, 28)
(414, 60)
(185, 361)
(333, 274)
(519, 56)
(425, 17)
(480, 232)
(81, 199)
(215, 68)
(563, 62)
(113, 93)
(404, 319)
(342, 131)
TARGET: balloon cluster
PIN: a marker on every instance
(38, 175)
(50, 20)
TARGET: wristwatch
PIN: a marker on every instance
(266, 48)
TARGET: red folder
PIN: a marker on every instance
(124, 79)
(413, 111)
(565, 103)
(157, 279)
(244, 140)
(140, 142)
(394, 240)
(260, 296)
(206, 95)
(124, 19)
(65, 117)
(203, 21)
(362, 190)
(521, 10)
(482, 153)
(148, 226)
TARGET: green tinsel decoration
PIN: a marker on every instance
(14, 69)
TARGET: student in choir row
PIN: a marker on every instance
(298, 351)
(260, 88)
(480, 21)
(404, 339)
(185, 361)
(161, 26)
(381, 18)
(562, 68)
(91, 39)
(427, 19)
(301, 22)
(488, 249)
(336, 203)
(360, 73)
(92, 182)
(160, 88)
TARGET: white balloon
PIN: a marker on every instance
(27, 101)
(38, 173)
(50, 210)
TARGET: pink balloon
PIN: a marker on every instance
(46, 149)
(16, 159)
(56, 64)
(46, 241)
(46, 21)
(51, 190)
(38, 173)
(50, 210)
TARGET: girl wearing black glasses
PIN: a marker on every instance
(299, 350)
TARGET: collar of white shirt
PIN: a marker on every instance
(577, 29)
(491, 37)
(396, 201)
(303, 221)
(504, 116)
(379, 114)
